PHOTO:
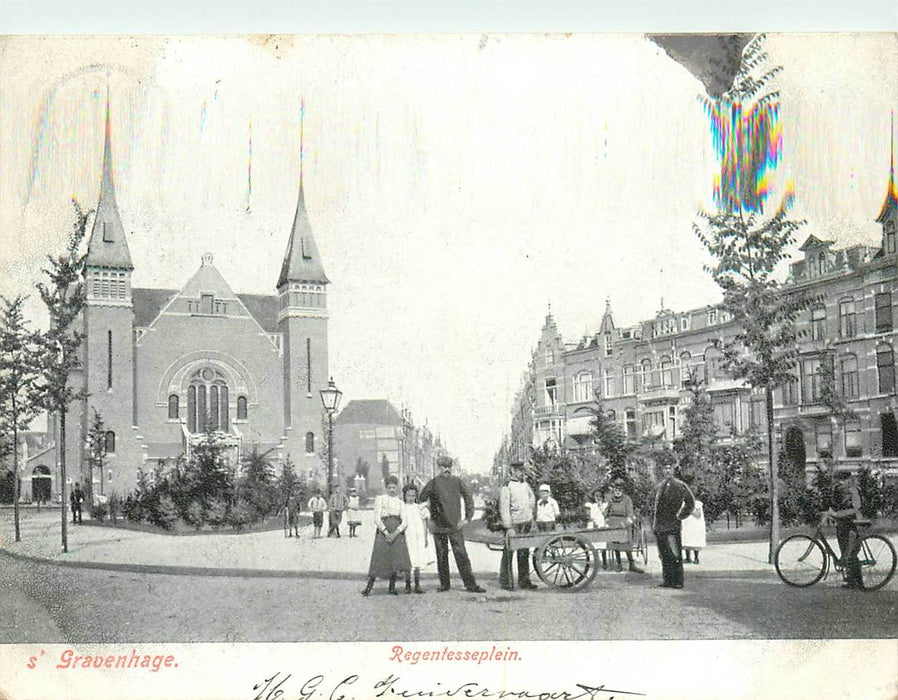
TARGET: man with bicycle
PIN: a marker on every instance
(846, 508)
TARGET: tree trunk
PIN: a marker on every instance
(62, 485)
(774, 479)
(16, 481)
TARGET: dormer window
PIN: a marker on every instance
(712, 316)
(107, 233)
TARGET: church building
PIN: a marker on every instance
(163, 366)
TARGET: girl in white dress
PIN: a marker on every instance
(596, 508)
(416, 536)
(693, 533)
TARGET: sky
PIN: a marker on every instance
(456, 185)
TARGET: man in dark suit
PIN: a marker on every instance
(673, 503)
(76, 500)
(445, 493)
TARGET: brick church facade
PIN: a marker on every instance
(162, 366)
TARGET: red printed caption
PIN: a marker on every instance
(402, 655)
(70, 660)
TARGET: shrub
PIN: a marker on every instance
(217, 512)
(240, 514)
(163, 514)
(194, 514)
(98, 512)
(115, 506)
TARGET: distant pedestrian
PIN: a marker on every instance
(389, 556)
(292, 508)
(336, 505)
(420, 551)
(445, 493)
(547, 510)
(76, 499)
(673, 503)
(352, 512)
(694, 537)
(619, 513)
(516, 506)
(317, 505)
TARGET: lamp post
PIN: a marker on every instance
(330, 398)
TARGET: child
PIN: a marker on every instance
(693, 533)
(352, 512)
(547, 509)
(596, 509)
(416, 538)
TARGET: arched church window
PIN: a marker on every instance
(241, 408)
(207, 401)
(110, 442)
(310, 443)
(173, 407)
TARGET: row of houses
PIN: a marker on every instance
(639, 371)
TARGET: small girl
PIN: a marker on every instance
(416, 538)
(596, 509)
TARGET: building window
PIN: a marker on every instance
(885, 368)
(666, 372)
(612, 416)
(241, 408)
(725, 416)
(629, 379)
(646, 374)
(890, 237)
(883, 312)
(818, 322)
(108, 359)
(310, 443)
(110, 442)
(207, 402)
(672, 420)
(713, 364)
(550, 356)
(583, 386)
(608, 346)
(207, 302)
(630, 417)
(551, 393)
(685, 369)
(848, 370)
(790, 392)
(823, 431)
(684, 323)
(712, 317)
(853, 444)
(847, 325)
(652, 419)
(609, 383)
(173, 407)
(889, 434)
(810, 381)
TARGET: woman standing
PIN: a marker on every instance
(619, 513)
(694, 533)
(419, 550)
(389, 556)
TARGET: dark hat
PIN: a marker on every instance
(444, 461)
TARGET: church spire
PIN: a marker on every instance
(891, 200)
(108, 246)
(302, 262)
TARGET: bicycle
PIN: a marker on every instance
(802, 560)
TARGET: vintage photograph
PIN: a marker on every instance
(398, 339)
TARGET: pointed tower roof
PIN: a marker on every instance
(108, 246)
(891, 200)
(302, 262)
(607, 325)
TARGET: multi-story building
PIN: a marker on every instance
(640, 371)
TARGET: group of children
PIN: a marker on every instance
(615, 511)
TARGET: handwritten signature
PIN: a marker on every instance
(276, 687)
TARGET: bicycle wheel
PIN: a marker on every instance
(800, 561)
(877, 560)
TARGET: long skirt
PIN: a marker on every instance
(388, 558)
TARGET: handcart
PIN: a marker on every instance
(568, 559)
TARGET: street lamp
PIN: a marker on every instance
(330, 398)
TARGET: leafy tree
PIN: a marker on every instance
(572, 477)
(206, 476)
(384, 467)
(362, 468)
(64, 297)
(19, 375)
(288, 483)
(698, 436)
(96, 445)
(746, 246)
(610, 439)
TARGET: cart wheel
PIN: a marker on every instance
(566, 561)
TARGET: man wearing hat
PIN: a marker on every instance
(445, 492)
(674, 503)
(516, 504)
(547, 510)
